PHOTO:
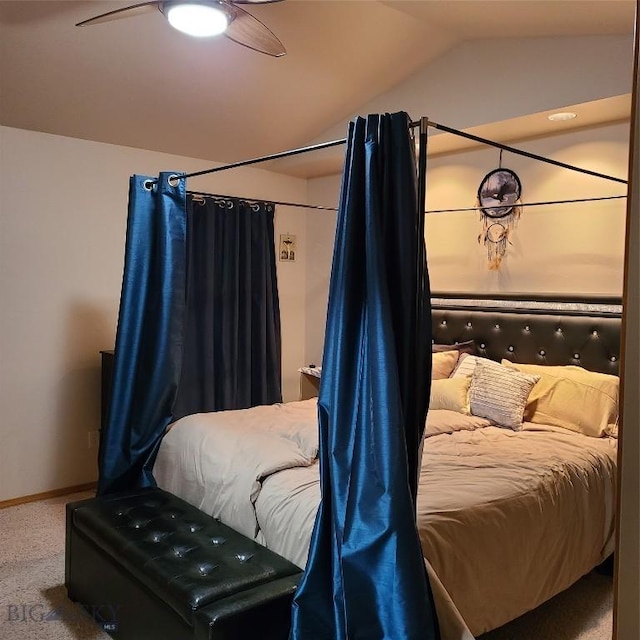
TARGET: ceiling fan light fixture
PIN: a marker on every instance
(197, 19)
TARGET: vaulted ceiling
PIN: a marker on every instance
(139, 83)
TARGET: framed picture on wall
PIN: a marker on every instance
(287, 252)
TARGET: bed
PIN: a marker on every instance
(508, 517)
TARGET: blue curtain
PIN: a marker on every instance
(149, 334)
(232, 342)
(365, 577)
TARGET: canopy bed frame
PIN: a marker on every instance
(423, 125)
(540, 331)
(548, 331)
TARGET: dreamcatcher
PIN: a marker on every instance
(498, 200)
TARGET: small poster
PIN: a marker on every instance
(287, 247)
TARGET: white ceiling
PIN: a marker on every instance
(137, 82)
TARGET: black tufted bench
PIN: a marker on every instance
(147, 564)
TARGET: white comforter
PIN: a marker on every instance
(217, 461)
(507, 519)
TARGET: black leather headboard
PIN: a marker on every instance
(535, 330)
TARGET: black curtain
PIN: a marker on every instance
(232, 342)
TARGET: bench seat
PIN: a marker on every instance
(146, 564)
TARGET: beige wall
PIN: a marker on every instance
(63, 210)
(321, 226)
(571, 248)
(568, 248)
(458, 89)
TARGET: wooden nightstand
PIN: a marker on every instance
(309, 382)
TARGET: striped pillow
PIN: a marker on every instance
(466, 364)
(499, 395)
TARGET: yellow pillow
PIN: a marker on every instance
(573, 398)
(443, 364)
(451, 394)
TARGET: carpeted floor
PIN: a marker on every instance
(34, 604)
(33, 600)
(583, 612)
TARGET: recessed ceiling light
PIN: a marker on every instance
(562, 115)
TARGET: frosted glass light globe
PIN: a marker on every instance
(199, 20)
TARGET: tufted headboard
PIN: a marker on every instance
(533, 329)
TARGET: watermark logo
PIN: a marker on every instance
(104, 615)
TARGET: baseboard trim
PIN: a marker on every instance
(54, 493)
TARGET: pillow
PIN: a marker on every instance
(573, 398)
(499, 393)
(468, 346)
(451, 394)
(442, 364)
(467, 363)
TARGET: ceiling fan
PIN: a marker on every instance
(206, 18)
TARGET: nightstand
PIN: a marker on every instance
(309, 382)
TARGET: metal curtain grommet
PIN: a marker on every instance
(147, 185)
(173, 180)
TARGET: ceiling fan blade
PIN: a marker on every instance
(248, 31)
(130, 12)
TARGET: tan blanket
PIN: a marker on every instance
(509, 519)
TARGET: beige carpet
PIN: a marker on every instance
(33, 600)
(34, 605)
(583, 612)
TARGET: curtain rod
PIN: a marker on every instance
(273, 156)
(412, 125)
(459, 210)
(244, 198)
(527, 204)
(527, 154)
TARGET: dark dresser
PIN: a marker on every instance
(106, 378)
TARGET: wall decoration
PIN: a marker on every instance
(287, 251)
(498, 199)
